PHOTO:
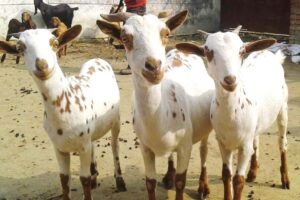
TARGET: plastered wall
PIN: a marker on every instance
(204, 14)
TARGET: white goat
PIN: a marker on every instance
(250, 95)
(172, 95)
(78, 109)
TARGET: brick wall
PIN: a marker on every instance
(295, 22)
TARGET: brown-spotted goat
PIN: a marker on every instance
(172, 95)
(78, 109)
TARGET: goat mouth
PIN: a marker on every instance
(153, 77)
(44, 74)
(229, 88)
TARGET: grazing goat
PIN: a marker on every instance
(78, 109)
(251, 94)
(171, 102)
(14, 26)
(63, 11)
(60, 29)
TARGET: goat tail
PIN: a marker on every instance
(280, 56)
(76, 8)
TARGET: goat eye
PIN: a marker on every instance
(20, 46)
(164, 35)
(53, 42)
(127, 40)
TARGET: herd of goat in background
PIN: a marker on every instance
(177, 100)
(59, 17)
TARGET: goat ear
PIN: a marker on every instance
(177, 20)
(110, 29)
(186, 47)
(69, 35)
(258, 45)
(6, 47)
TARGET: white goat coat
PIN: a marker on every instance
(94, 107)
(255, 104)
(172, 120)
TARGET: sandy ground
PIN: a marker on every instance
(28, 168)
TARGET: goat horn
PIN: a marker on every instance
(16, 35)
(203, 33)
(237, 29)
(117, 17)
(164, 14)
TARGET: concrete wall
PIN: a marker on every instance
(204, 14)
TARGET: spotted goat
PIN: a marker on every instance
(78, 109)
(251, 94)
(172, 95)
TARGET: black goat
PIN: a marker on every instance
(63, 11)
(14, 26)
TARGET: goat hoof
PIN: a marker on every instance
(121, 186)
(285, 186)
(168, 179)
(203, 192)
(94, 183)
(251, 177)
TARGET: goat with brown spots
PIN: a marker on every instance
(251, 94)
(75, 114)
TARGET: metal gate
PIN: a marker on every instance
(256, 15)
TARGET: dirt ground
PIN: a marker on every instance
(28, 167)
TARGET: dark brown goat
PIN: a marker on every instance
(14, 26)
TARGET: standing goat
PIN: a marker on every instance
(14, 26)
(251, 94)
(171, 102)
(78, 109)
(60, 29)
(63, 11)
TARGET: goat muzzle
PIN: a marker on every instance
(152, 71)
(42, 71)
(229, 83)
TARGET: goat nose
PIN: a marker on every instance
(41, 64)
(152, 64)
(230, 80)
